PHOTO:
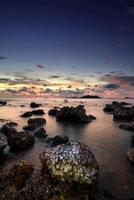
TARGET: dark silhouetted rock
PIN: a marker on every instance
(39, 121)
(92, 117)
(124, 113)
(129, 127)
(90, 97)
(8, 130)
(27, 114)
(73, 114)
(3, 103)
(35, 105)
(40, 133)
(53, 112)
(38, 112)
(20, 140)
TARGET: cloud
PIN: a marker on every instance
(3, 57)
(40, 66)
(111, 86)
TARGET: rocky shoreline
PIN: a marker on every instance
(69, 170)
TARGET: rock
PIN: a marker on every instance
(7, 130)
(57, 140)
(38, 112)
(129, 127)
(124, 113)
(20, 173)
(130, 155)
(12, 124)
(73, 114)
(110, 108)
(53, 112)
(132, 141)
(3, 144)
(30, 127)
(72, 162)
(39, 121)
(3, 103)
(92, 117)
(27, 114)
(40, 133)
(125, 103)
(20, 140)
(35, 105)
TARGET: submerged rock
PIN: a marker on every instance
(73, 114)
(57, 140)
(72, 162)
(35, 105)
(40, 133)
(130, 155)
(129, 127)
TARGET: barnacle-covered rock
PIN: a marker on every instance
(3, 144)
(72, 162)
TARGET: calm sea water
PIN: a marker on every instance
(105, 139)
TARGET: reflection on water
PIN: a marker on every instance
(106, 140)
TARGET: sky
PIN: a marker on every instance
(67, 48)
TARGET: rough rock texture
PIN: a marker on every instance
(72, 162)
(129, 127)
(73, 114)
(20, 172)
(130, 155)
(3, 144)
(20, 140)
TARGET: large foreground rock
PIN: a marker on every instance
(72, 162)
(73, 114)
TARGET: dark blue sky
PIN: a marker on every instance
(67, 36)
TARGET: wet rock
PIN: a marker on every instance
(53, 112)
(35, 105)
(3, 103)
(124, 113)
(12, 124)
(129, 127)
(7, 130)
(39, 121)
(73, 114)
(132, 140)
(130, 155)
(20, 140)
(57, 140)
(30, 127)
(20, 173)
(40, 133)
(123, 103)
(110, 108)
(92, 117)
(72, 162)
(27, 114)
(38, 112)
(3, 144)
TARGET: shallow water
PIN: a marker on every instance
(105, 139)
